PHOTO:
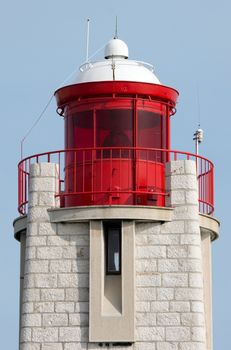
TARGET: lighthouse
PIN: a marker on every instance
(115, 230)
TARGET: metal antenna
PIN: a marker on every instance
(198, 138)
(88, 35)
(116, 29)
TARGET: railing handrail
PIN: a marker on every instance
(118, 148)
(205, 169)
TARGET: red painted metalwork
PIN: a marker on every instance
(91, 90)
(137, 176)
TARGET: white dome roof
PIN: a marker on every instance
(115, 66)
(116, 48)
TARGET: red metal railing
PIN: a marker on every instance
(118, 175)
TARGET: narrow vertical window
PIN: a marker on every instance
(112, 232)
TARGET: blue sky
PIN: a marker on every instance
(42, 42)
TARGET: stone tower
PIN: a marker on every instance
(115, 230)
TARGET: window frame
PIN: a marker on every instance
(107, 225)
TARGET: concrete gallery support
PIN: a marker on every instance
(164, 294)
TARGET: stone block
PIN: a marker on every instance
(46, 229)
(147, 228)
(35, 170)
(165, 294)
(177, 197)
(52, 294)
(144, 346)
(73, 280)
(33, 199)
(192, 319)
(177, 251)
(190, 167)
(58, 241)
(192, 346)
(80, 319)
(72, 229)
(25, 334)
(191, 197)
(190, 265)
(52, 346)
(77, 294)
(150, 333)
(42, 184)
(146, 294)
(168, 319)
(30, 253)
(46, 199)
(167, 346)
(180, 306)
(32, 229)
(45, 334)
(60, 266)
(197, 306)
(79, 240)
(146, 265)
(30, 346)
(68, 334)
(164, 239)
(186, 182)
(31, 320)
(173, 227)
(143, 306)
(43, 307)
(27, 308)
(194, 252)
(175, 279)
(196, 280)
(38, 214)
(198, 334)
(45, 280)
(74, 252)
(35, 241)
(49, 253)
(192, 226)
(31, 295)
(82, 307)
(80, 266)
(159, 306)
(54, 320)
(28, 281)
(189, 212)
(151, 252)
(149, 280)
(35, 266)
(80, 346)
(189, 294)
(178, 334)
(66, 307)
(176, 167)
(49, 169)
(145, 319)
(191, 239)
(167, 265)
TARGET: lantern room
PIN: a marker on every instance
(117, 131)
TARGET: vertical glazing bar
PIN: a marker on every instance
(75, 171)
(83, 169)
(120, 170)
(110, 174)
(92, 177)
(135, 154)
(101, 170)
